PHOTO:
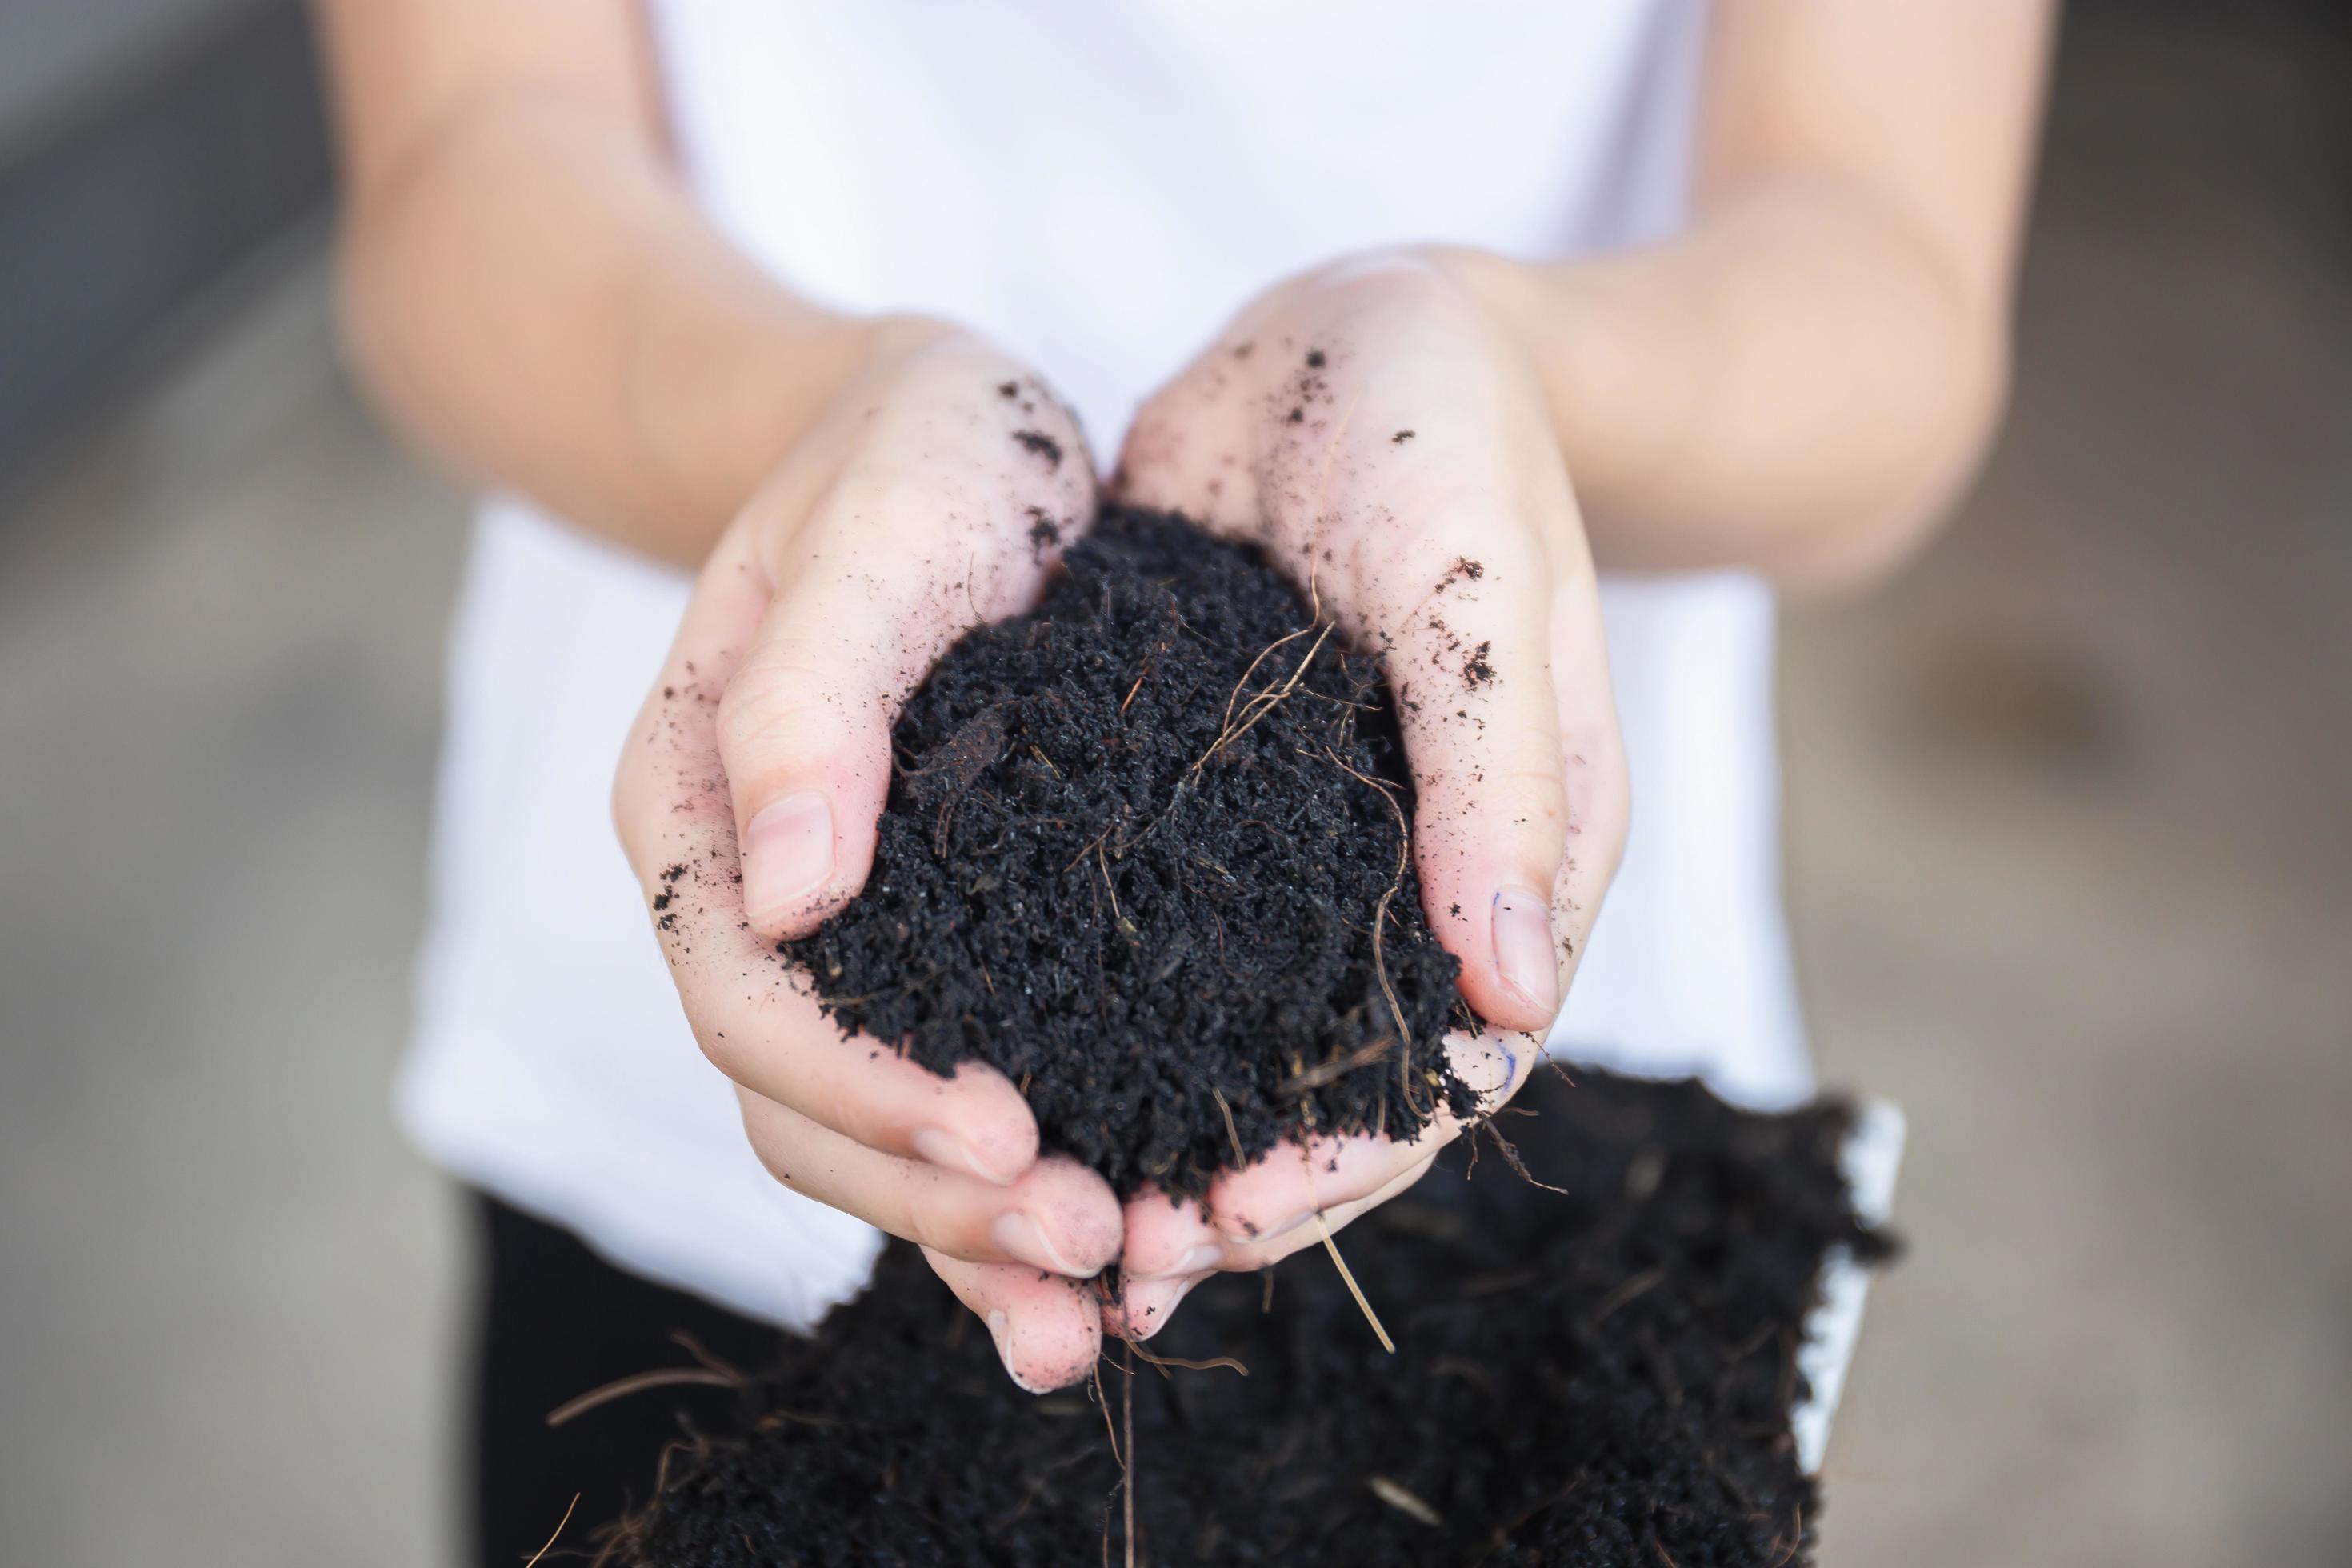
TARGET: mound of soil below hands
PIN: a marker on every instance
(1599, 1377)
(1144, 853)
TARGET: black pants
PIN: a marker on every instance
(557, 1321)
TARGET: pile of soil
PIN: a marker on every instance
(1598, 1377)
(1144, 852)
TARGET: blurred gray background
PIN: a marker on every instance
(2071, 857)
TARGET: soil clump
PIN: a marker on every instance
(1596, 1377)
(1144, 853)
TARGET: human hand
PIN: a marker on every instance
(1375, 428)
(933, 495)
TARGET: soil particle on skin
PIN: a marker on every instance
(1475, 670)
(1135, 854)
(1594, 1374)
(1464, 570)
(1044, 446)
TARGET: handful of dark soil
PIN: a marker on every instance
(1145, 852)
(1598, 1378)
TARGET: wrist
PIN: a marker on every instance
(719, 416)
(883, 343)
(1619, 373)
(1551, 315)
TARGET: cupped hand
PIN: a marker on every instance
(1377, 429)
(935, 493)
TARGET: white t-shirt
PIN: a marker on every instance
(1097, 187)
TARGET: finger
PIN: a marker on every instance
(1278, 1195)
(1144, 1306)
(1189, 448)
(1331, 1221)
(1284, 1191)
(1060, 1216)
(948, 516)
(1166, 1237)
(754, 1014)
(1049, 1330)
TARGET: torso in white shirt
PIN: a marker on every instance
(1096, 187)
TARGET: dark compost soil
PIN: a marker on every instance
(1137, 848)
(1598, 1377)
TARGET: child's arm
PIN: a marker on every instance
(1803, 379)
(1446, 443)
(532, 297)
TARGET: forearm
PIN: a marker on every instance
(533, 300)
(1798, 384)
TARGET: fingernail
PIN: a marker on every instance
(1000, 1328)
(787, 853)
(1523, 954)
(1205, 1258)
(1022, 1239)
(1199, 1258)
(1150, 1303)
(938, 1146)
(1485, 1062)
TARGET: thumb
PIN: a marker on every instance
(804, 724)
(896, 562)
(805, 741)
